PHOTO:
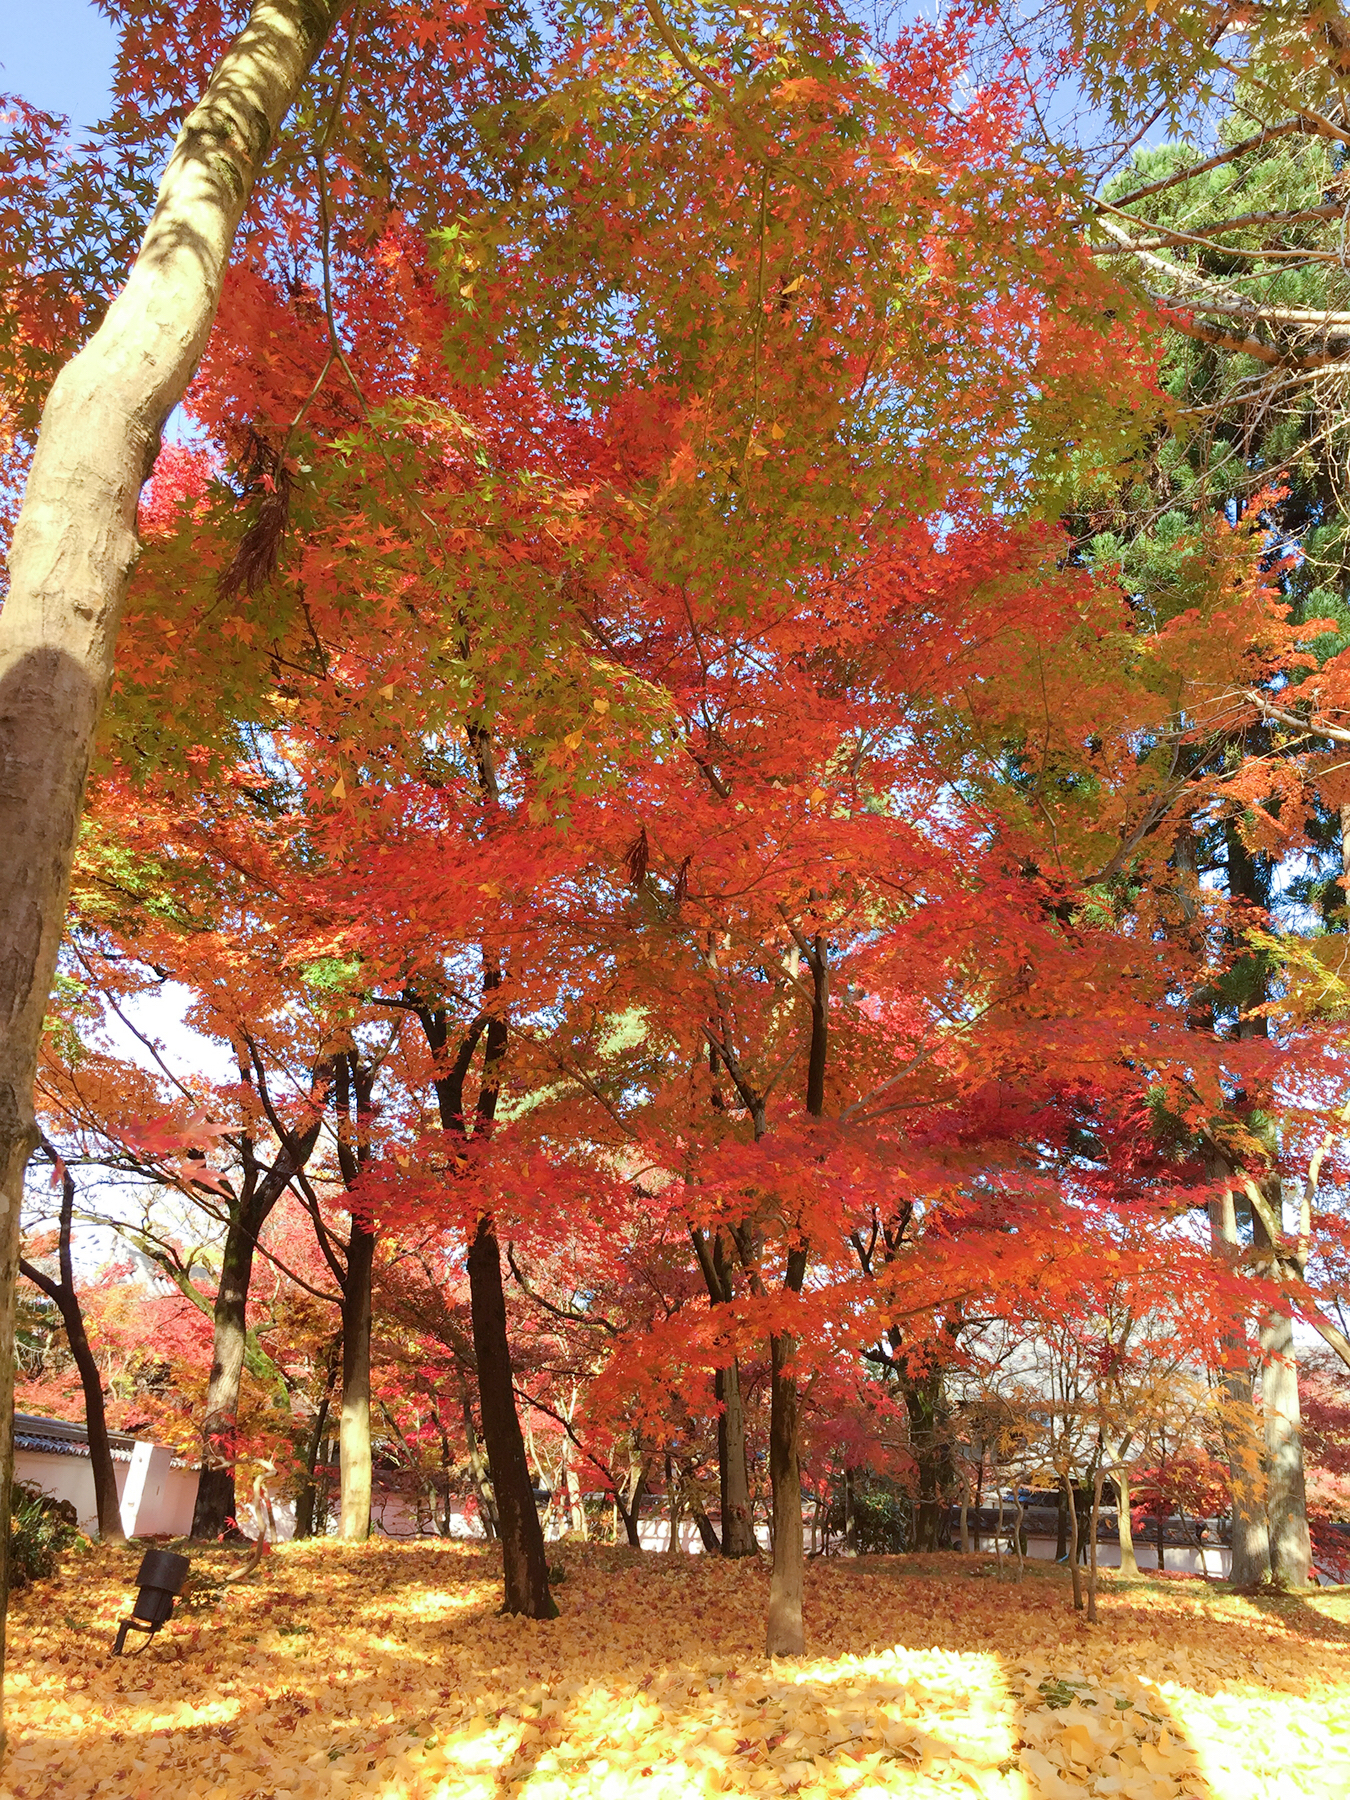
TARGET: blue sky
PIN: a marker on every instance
(58, 54)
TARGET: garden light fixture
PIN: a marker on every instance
(160, 1579)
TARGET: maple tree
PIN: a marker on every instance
(603, 719)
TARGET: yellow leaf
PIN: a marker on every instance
(776, 430)
(338, 791)
(387, 693)
(601, 706)
(793, 285)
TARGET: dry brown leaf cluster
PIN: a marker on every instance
(385, 1672)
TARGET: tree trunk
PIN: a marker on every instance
(1250, 1539)
(733, 1479)
(672, 1507)
(786, 1635)
(738, 1525)
(524, 1562)
(354, 1430)
(305, 1505)
(1128, 1563)
(850, 1515)
(67, 1301)
(487, 1504)
(1286, 1496)
(96, 1424)
(1073, 1544)
(1061, 1529)
(925, 1404)
(74, 545)
(215, 1486)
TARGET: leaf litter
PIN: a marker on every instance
(385, 1671)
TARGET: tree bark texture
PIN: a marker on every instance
(354, 1429)
(524, 1563)
(1250, 1539)
(74, 546)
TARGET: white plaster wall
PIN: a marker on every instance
(66, 1478)
(165, 1505)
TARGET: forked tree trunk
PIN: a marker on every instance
(524, 1562)
(74, 546)
(215, 1501)
(306, 1505)
(354, 1430)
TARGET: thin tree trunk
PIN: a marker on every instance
(1073, 1545)
(1092, 1545)
(673, 1506)
(74, 546)
(354, 1430)
(850, 1514)
(1250, 1538)
(524, 1561)
(306, 1501)
(63, 1294)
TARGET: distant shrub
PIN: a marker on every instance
(40, 1528)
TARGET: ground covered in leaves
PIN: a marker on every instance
(383, 1671)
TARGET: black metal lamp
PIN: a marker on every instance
(160, 1579)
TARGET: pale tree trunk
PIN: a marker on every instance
(1128, 1562)
(673, 1507)
(1250, 1540)
(75, 543)
(1286, 1496)
(354, 1430)
(1092, 1545)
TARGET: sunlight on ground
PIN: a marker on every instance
(385, 1672)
